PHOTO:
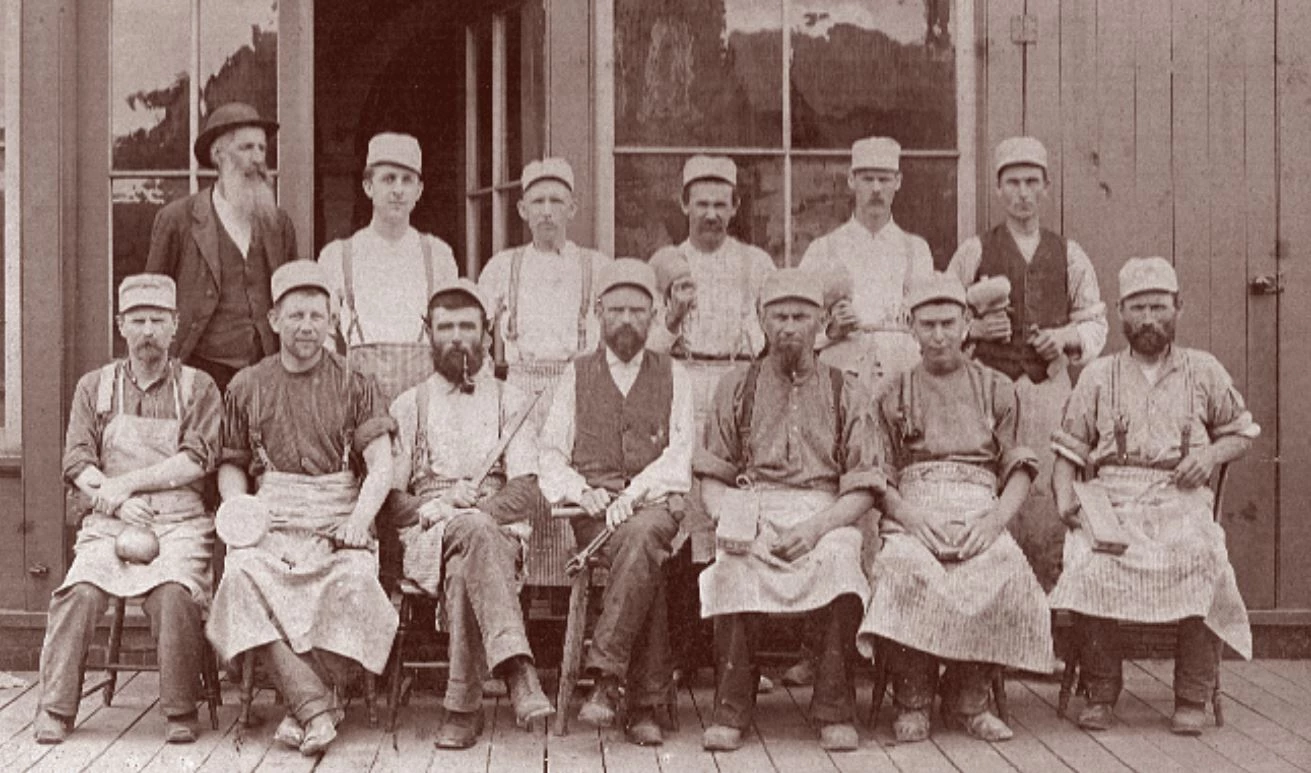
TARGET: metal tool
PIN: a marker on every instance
(515, 424)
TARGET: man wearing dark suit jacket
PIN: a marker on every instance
(222, 245)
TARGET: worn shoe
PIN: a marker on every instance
(839, 737)
(800, 673)
(49, 728)
(1188, 718)
(986, 726)
(460, 729)
(643, 728)
(911, 726)
(526, 693)
(181, 728)
(600, 707)
(721, 738)
(289, 732)
(320, 732)
(765, 685)
(1097, 716)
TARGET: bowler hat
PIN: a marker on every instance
(233, 115)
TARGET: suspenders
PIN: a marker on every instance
(584, 304)
(348, 277)
(109, 393)
(747, 407)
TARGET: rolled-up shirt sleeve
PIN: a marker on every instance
(201, 425)
(371, 418)
(1013, 456)
(1087, 309)
(558, 480)
(1226, 412)
(861, 444)
(82, 438)
(1077, 435)
(236, 423)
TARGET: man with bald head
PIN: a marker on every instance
(222, 245)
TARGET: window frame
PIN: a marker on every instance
(967, 89)
(11, 430)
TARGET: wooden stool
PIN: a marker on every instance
(209, 677)
(411, 597)
(881, 678)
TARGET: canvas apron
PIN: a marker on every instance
(1176, 565)
(185, 532)
(424, 551)
(761, 582)
(987, 609)
(395, 365)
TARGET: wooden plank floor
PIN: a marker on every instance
(1267, 706)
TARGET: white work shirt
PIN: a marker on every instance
(724, 322)
(549, 299)
(881, 266)
(239, 228)
(670, 473)
(462, 428)
(1087, 311)
(390, 283)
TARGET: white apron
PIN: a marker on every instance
(185, 532)
(295, 586)
(1176, 565)
(987, 609)
(761, 582)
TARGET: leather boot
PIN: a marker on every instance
(601, 706)
(526, 692)
(460, 729)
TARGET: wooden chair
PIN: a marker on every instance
(882, 675)
(247, 694)
(114, 665)
(412, 597)
(1072, 674)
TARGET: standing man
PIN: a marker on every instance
(1152, 423)
(790, 468)
(142, 433)
(867, 333)
(1056, 318)
(618, 442)
(383, 275)
(222, 245)
(306, 598)
(950, 584)
(467, 540)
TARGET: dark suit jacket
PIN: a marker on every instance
(184, 245)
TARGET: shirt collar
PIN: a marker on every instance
(889, 228)
(226, 212)
(613, 361)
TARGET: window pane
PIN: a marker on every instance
(149, 83)
(873, 67)
(526, 73)
(698, 72)
(135, 202)
(925, 205)
(480, 209)
(482, 144)
(648, 214)
(516, 230)
(239, 58)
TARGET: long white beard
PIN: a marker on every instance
(250, 195)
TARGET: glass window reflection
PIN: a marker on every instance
(149, 83)
(239, 57)
(698, 72)
(134, 203)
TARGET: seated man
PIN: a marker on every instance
(793, 436)
(618, 442)
(142, 433)
(950, 583)
(466, 537)
(1152, 423)
(306, 597)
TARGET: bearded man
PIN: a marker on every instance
(466, 537)
(1150, 424)
(222, 245)
(618, 442)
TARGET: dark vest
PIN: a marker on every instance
(232, 337)
(616, 437)
(1039, 296)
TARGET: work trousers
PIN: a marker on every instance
(175, 625)
(631, 638)
(481, 599)
(1196, 659)
(965, 684)
(305, 680)
(737, 675)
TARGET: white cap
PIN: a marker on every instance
(1019, 150)
(298, 274)
(792, 284)
(719, 168)
(936, 287)
(626, 271)
(157, 291)
(462, 285)
(1146, 275)
(396, 149)
(876, 153)
(553, 168)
